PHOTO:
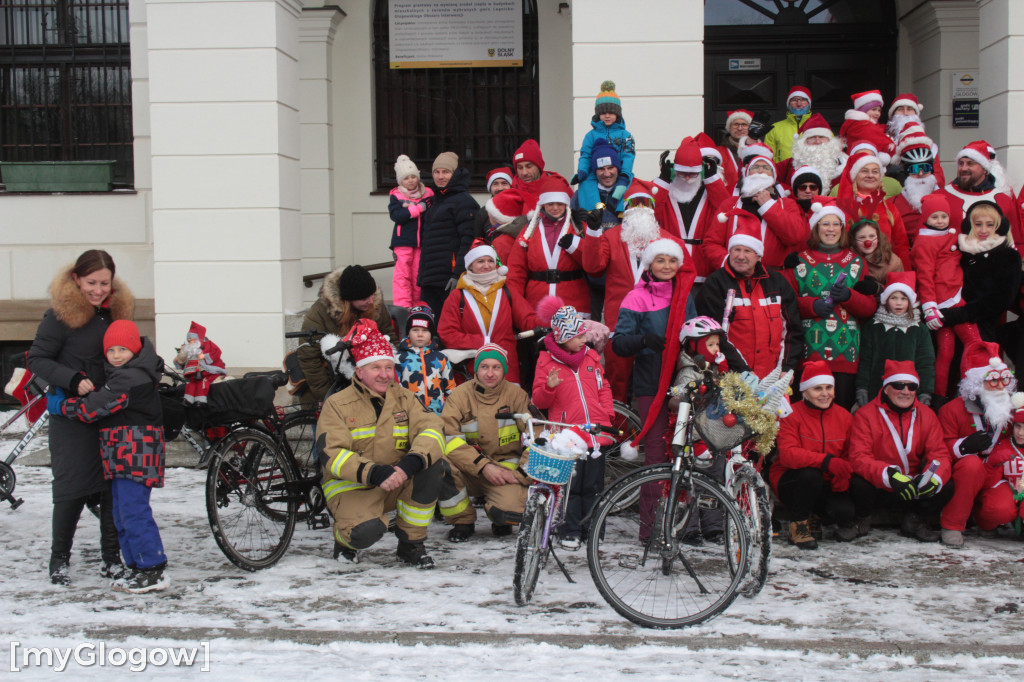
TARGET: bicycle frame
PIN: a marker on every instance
(30, 433)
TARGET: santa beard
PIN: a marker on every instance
(639, 228)
(915, 189)
(998, 408)
(752, 184)
(683, 191)
(897, 121)
(825, 158)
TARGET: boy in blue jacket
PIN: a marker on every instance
(608, 125)
(422, 368)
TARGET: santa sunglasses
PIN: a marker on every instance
(999, 378)
(903, 385)
(918, 168)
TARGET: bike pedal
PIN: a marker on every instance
(319, 522)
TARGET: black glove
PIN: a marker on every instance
(901, 484)
(926, 489)
(593, 218)
(979, 441)
(378, 474)
(822, 308)
(411, 464)
(840, 293)
(654, 342)
(666, 167)
(760, 126)
(75, 381)
(575, 179)
(868, 286)
(710, 166)
(566, 240)
(540, 331)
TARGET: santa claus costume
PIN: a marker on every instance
(506, 219)
(200, 363)
(858, 127)
(1007, 457)
(827, 157)
(915, 150)
(531, 190)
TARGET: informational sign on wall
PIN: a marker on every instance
(966, 100)
(965, 85)
(446, 34)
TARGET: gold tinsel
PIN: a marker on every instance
(740, 399)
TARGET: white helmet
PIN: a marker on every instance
(699, 327)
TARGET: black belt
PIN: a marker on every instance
(555, 276)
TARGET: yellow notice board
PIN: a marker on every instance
(447, 34)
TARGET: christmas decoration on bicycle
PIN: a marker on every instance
(552, 458)
(756, 404)
(719, 426)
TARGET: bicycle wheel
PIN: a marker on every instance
(751, 496)
(530, 556)
(298, 430)
(657, 582)
(251, 499)
(615, 467)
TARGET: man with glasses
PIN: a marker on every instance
(899, 458)
(972, 425)
(818, 147)
(806, 183)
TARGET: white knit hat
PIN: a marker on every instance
(404, 167)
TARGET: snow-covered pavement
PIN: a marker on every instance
(881, 607)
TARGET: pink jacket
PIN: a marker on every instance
(583, 397)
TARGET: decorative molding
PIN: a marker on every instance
(933, 18)
(320, 24)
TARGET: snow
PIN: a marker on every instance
(882, 606)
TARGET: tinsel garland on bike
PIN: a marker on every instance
(740, 398)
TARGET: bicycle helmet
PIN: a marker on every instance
(917, 155)
(699, 327)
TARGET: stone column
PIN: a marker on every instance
(224, 93)
(1001, 45)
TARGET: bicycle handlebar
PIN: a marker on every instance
(530, 333)
(592, 429)
(308, 335)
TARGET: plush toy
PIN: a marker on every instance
(200, 363)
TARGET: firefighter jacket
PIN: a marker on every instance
(359, 428)
(475, 437)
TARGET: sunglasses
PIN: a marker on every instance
(904, 385)
(808, 186)
(999, 378)
(916, 168)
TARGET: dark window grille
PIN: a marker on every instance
(482, 114)
(65, 83)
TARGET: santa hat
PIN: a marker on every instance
(982, 153)
(480, 249)
(823, 206)
(640, 189)
(905, 99)
(668, 247)
(421, 317)
(752, 149)
(24, 387)
(746, 230)
(1004, 224)
(688, 157)
(864, 135)
(608, 101)
(905, 282)
(365, 345)
(799, 91)
(816, 373)
(198, 331)
(554, 190)
(806, 174)
(529, 151)
(499, 174)
(707, 146)
(569, 442)
(981, 355)
(605, 155)
(853, 165)
(506, 206)
(751, 160)
(490, 351)
(122, 333)
(815, 125)
(867, 100)
(935, 202)
(899, 370)
(738, 114)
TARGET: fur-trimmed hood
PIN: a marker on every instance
(332, 299)
(74, 311)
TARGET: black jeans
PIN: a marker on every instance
(587, 485)
(804, 491)
(867, 498)
(65, 522)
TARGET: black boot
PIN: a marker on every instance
(60, 569)
(345, 554)
(65, 521)
(461, 532)
(110, 547)
(415, 554)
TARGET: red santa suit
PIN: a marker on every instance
(202, 365)
(1007, 458)
(936, 258)
(807, 435)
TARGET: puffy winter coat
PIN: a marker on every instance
(583, 397)
(873, 447)
(644, 310)
(782, 224)
(780, 137)
(407, 219)
(127, 409)
(807, 435)
(698, 220)
(618, 137)
(476, 437)
(535, 270)
(426, 372)
(887, 337)
(991, 285)
(362, 428)
(69, 344)
(446, 233)
(936, 259)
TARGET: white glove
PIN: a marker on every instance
(932, 315)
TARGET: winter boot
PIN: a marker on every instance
(345, 555)
(800, 535)
(114, 570)
(847, 533)
(952, 538)
(913, 526)
(569, 544)
(461, 532)
(863, 526)
(60, 569)
(814, 526)
(501, 530)
(415, 554)
(147, 580)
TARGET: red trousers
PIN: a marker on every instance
(981, 490)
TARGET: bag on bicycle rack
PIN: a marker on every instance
(718, 432)
(174, 409)
(233, 401)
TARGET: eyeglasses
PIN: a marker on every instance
(999, 378)
(916, 168)
(808, 186)
(904, 385)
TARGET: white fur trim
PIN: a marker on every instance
(755, 245)
(899, 286)
(798, 93)
(479, 252)
(819, 380)
(568, 442)
(813, 132)
(900, 377)
(723, 217)
(863, 147)
(687, 169)
(553, 198)
(854, 115)
(711, 151)
(495, 214)
(628, 451)
(499, 176)
(823, 211)
(861, 162)
(735, 115)
(661, 246)
(973, 155)
(905, 103)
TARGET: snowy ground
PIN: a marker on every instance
(882, 607)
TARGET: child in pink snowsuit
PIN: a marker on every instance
(409, 201)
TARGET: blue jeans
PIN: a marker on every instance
(136, 530)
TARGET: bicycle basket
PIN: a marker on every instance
(549, 467)
(173, 408)
(708, 419)
(233, 401)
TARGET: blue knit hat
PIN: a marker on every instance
(605, 155)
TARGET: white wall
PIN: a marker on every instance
(1001, 43)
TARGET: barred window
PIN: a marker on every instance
(481, 114)
(65, 83)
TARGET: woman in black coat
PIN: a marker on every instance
(67, 353)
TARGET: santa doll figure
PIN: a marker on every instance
(200, 363)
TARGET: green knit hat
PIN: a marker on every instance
(608, 101)
(491, 351)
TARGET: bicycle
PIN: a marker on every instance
(748, 490)
(637, 559)
(36, 392)
(545, 504)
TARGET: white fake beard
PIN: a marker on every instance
(824, 158)
(639, 228)
(998, 408)
(915, 189)
(752, 184)
(682, 190)
(896, 123)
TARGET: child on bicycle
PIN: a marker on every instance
(422, 368)
(132, 444)
(570, 384)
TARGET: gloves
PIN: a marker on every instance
(1000, 456)
(540, 331)
(868, 286)
(841, 471)
(411, 464)
(710, 166)
(654, 342)
(575, 179)
(979, 441)
(925, 399)
(932, 315)
(53, 401)
(666, 167)
(901, 484)
(590, 219)
(618, 192)
(840, 293)
(452, 283)
(565, 241)
(926, 489)
(760, 126)
(862, 397)
(822, 308)
(378, 474)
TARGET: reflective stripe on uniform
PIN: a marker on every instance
(508, 432)
(456, 504)
(401, 434)
(413, 515)
(364, 432)
(471, 430)
(512, 464)
(339, 461)
(337, 486)
(453, 444)
(436, 435)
